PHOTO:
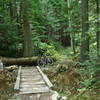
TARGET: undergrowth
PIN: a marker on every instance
(76, 80)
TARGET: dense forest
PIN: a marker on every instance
(67, 31)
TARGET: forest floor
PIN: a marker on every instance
(66, 77)
(68, 80)
(7, 80)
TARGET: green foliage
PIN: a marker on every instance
(18, 99)
(50, 49)
(50, 21)
(9, 38)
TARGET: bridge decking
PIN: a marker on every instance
(33, 84)
(31, 80)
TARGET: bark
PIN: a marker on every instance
(65, 40)
(27, 45)
(84, 53)
(64, 37)
(97, 73)
(98, 30)
(72, 35)
(13, 10)
(19, 61)
(73, 43)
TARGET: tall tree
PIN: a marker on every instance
(97, 73)
(84, 53)
(72, 34)
(28, 47)
(98, 28)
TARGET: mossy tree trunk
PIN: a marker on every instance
(19, 61)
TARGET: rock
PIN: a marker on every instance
(64, 98)
(54, 96)
(1, 65)
(13, 67)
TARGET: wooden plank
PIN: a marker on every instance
(26, 85)
(34, 90)
(31, 79)
(29, 69)
(45, 77)
(33, 83)
(33, 86)
(27, 72)
(32, 71)
(17, 84)
(31, 74)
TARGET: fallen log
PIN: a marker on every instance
(19, 61)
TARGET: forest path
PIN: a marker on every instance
(33, 84)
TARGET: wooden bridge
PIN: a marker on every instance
(33, 84)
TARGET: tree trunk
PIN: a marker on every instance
(72, 35)
(27, 45)
(84, 53)
(65, 39)
(98, 29)
(19, 61)
(73, 43)
(97, 73)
